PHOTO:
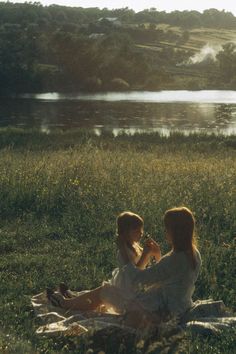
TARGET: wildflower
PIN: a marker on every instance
(74, 182)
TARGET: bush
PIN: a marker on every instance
(119, 84)
(93, 84)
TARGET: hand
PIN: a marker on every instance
(147, 249)
(153, 248)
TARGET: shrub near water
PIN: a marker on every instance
(60, 195)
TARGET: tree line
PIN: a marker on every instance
(66, 49)
(50, 15)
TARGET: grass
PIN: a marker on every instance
(213, 36)
(60, 195)
(196, 77)
(201, 36)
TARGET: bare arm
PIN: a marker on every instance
(144, 259)
(155, 274)
(155, 249)
(127, 257)
(151, 249)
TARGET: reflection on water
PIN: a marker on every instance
(212, 96)
(122, 116)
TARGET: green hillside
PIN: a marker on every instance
(60, 195)
(58, 48)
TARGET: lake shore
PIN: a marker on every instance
(132, 112)
(60, 195)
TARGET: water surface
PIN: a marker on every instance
(164, 111)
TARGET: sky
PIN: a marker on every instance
(138, 5)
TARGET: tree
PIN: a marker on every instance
(227, 61)
(18, 55)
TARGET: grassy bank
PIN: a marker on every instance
(60, 195)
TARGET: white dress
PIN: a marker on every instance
(171, 283)
(166, 287)
(121, 276)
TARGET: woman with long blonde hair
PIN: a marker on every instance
(171, 281)
(163, 288)
(180, 227)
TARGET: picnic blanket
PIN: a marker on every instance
(206, 317)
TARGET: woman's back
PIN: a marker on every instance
(171, 282)
(179, 285)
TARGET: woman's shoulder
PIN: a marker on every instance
(179, 256)
(185, 259)
(167, 259)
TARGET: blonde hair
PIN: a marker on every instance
(180, 225)
(126, 222)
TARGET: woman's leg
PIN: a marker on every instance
(107, 295)
(88, 301)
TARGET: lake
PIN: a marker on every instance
(163, 111)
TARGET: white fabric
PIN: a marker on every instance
(120, 278)
(205, 317)
(172, 283)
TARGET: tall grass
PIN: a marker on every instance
(60, 195)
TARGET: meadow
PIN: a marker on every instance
(59, 198)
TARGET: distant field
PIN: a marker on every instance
(199, 37)
(59, 197)
(213, 36)
(205, 41)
